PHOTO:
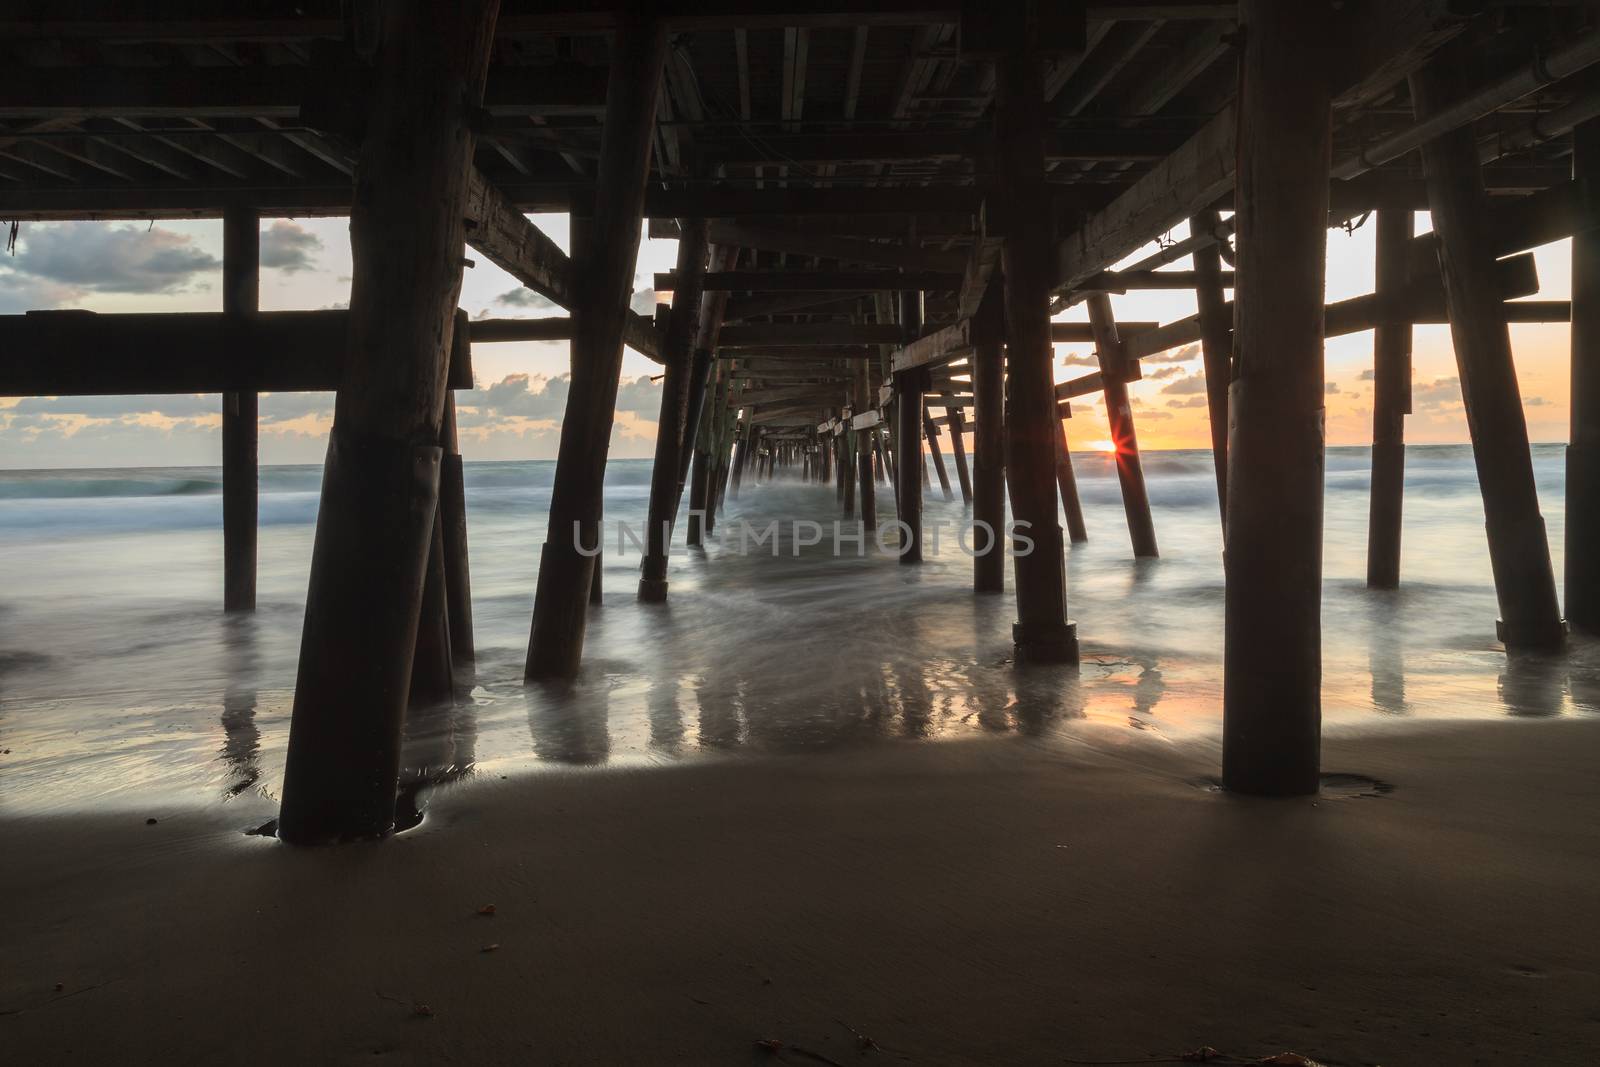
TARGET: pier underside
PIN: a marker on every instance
(889, 215)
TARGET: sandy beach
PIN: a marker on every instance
(972, 902)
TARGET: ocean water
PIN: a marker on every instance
(124, 686)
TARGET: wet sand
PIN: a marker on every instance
(973, 902)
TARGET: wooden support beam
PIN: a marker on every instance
(958, 447)
(1116, 370)
(865, 423)
(499, 230)
(1272, 659)
(241, 291)
(1422, 303)
(798, 281)
(808, 335)
(1067, 482)
(380, 488)
(1391, 403)
(825, 246)
(1518, 550)
(1042, 632)
(1123, 281)
(930, 431)
(988, 444)
(81, 353)
(555, 647)
(1377, 44)
(909, 415)
(453, 523)
(1215, 319)
(936, 348)
(677, 350)
(1582, 578)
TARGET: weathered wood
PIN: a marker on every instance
(380, 487)
(676, 349)
(1378, 44)
(555, 647)
(1042, 632)
(1215, 319)
(809, 334)
(1421, 303)
(938, 347)
(793, 281)
(1582, 578)
(912, 469)
(989, 444)
(241, 289)
(1273, 554)
(865, 434)
(958, 448)
(1123, 281)
(432, 666)
(1391, 403)
(1518, 551)
(1115, 368)
(930, 431)
(1067, 486)
(844, 249)
(453, 515)
(81, 353)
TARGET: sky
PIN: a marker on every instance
(515, 410)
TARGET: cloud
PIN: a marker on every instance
(524, 298)
(1185, 386)
(1156, 415)
(1330, 387)
(1535, 401)
(1367, 376)
(1188, 402)
(515, 395)
(1080, 359)
(1165, 372)
(640, 395)
(288, 246)
(112, 259)
(1177, 355)
(1437, 394)
(19, 294)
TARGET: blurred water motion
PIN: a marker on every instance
(122, 683)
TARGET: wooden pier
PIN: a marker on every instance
(871, 263)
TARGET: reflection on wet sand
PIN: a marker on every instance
(241, 738)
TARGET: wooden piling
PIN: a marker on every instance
(1272, 651)
(1582, 577)
(1115, 372)
(241, 290)
(638, 52)
(380, 485)
(958, 449)
(1067, 484)
(1391, 403)
(909, 416)
(1216, 344)
(453, 511)
(1518, 551)
(432, 668)
(866, 489)
(988, 443)
(676, 347)
(930, 430)
(1042, 632)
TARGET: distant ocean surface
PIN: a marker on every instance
(123, 683)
